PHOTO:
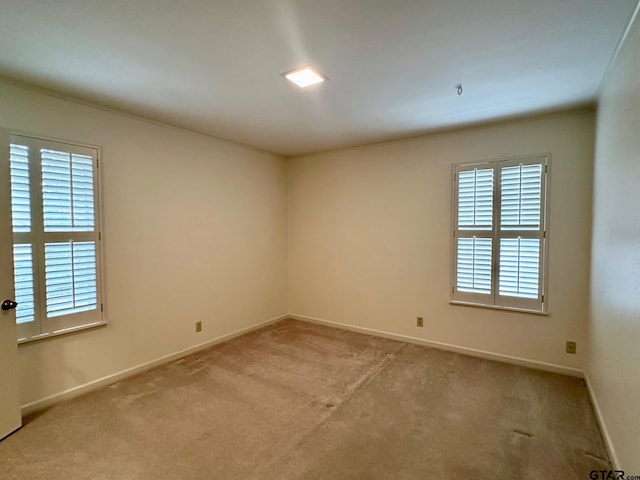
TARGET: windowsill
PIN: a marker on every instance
(58, 333)
(497, 307)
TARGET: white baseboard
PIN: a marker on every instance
(603, 427)
(109, 379)
(549, 367)
(524, 362)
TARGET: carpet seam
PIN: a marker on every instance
(352, 389)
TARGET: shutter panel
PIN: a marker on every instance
(67, 192)
(519, 267)
(475, 199)
(70, 277)
(473, 272)
(520, 231)
(520, 197)
(23, 279)
(20, 200)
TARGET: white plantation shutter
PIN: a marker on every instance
(519, 267)
(56, 240)
(20, 199)
(70, 277)
(521, 233)
(474, 226)
(24, 284)
(21, 223)
(474, 265)
(67, 192)
(475, 199)
(499, 236)
(520, 197)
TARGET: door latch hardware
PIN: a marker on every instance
(9, 304)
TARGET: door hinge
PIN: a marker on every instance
(99, 236)
(101, 307)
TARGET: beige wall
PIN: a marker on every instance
(615, 286)
(194, 229)
(370, 237)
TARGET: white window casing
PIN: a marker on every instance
(56, 236)
(500, 233)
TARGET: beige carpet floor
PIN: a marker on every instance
(302, 401)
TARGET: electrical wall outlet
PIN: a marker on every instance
(198, 327)
(571, 347)
(420, 321)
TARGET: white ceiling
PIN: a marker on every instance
(214, 66)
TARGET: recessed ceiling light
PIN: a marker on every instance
(304, 76)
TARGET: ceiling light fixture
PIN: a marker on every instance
(304, 76)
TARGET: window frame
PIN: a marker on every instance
(494, 299)
(43, 327)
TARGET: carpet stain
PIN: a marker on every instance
(596, 457)
(524, 434)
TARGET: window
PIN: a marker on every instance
(56, 239)
(499, 233)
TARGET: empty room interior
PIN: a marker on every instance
(421, 261)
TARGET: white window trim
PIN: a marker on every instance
(76, 322)
(539, 306)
